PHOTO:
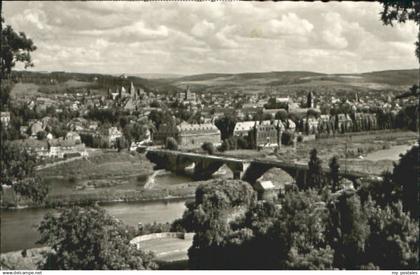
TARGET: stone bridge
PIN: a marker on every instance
(246, 169)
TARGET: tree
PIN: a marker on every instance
(216, 203)
(208, 147)
(226, 126)
(15, 47)
(405, 175)
(334, 170)
(400, 12)
(315, 179)
(122, 144)
(17, 170)
(41, 135)
(282, 115)
(393, 239)
(348, 231)
(171, 144)
(86, 238)
(287, 138)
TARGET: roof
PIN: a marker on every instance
(244, 126)
(265, 184)
(61, 143)
(187, 127)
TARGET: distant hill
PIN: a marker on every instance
(289, 80)
(61, 82)
(156, 75)
(281, 82)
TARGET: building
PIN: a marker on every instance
(35, 128)
(112, 133)
(311, 125)
(5, 118)
(60, 148)
(194, 135)
(188, 135)
(74, 137)
(324, 124)
(265, 190)
(290, 125)
(343, 123)
(266, 134)
(242, 128)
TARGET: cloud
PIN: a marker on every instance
(203, 28)
(198, 37)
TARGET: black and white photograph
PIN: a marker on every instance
(209, 135)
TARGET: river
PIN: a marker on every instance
(392, 153)
(18, 226)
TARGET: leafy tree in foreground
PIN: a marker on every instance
(348, 231)
(393, 241)
(15, 47)
(400, 12)
(89, 239)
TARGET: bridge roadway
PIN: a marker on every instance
(246, 169)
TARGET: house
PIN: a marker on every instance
(112, 133)
(242, 128)
(290, 125)
(60, 148)
(262, 135)
(74, 137)
(35, 128)
(324, 123)
(310, 125)
(5, 118)
(265, 190)
(343, 123)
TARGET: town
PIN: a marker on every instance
(127, 117)
(209, 135)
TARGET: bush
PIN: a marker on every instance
(287, 138)
(171, 144)
(208, 147)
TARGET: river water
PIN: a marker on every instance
(19, 226)
(392, 153)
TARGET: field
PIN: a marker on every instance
(353, 148)
(108, 176)
(350, 150)
(25, 90)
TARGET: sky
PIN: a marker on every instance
(212, 37)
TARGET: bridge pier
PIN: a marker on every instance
(247, 170)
